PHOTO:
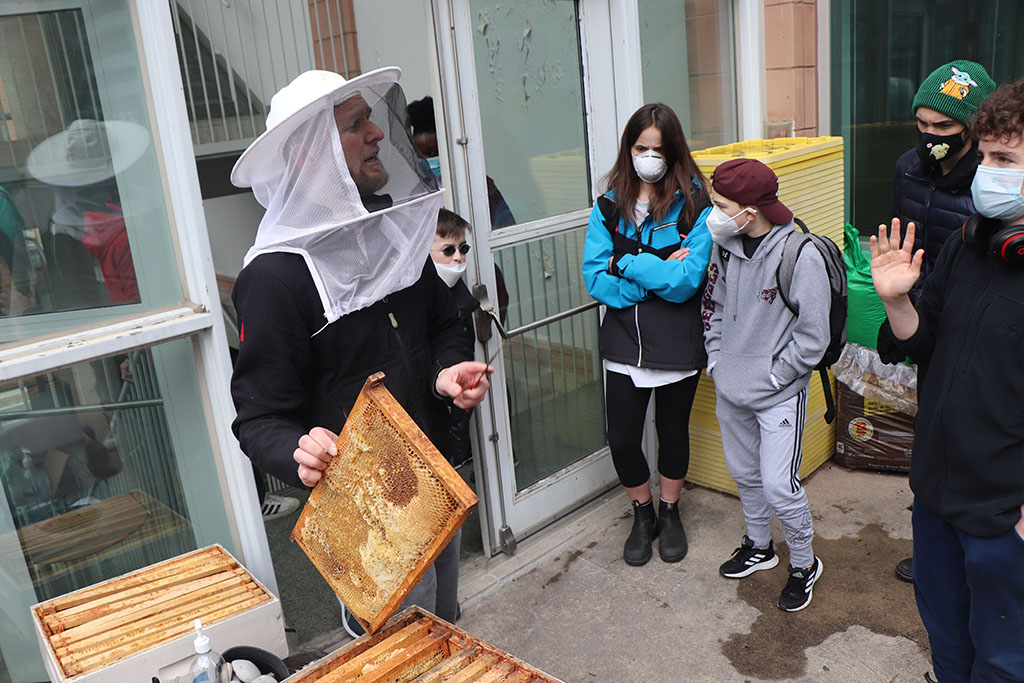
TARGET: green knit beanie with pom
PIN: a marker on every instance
(955, 89)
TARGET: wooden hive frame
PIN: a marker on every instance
(375, 396)
(418, 647)
(103, 624)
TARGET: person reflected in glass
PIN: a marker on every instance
(17, 281)
(645, 258)
(424, 136)
(87, 227)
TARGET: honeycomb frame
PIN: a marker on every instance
(385, 508)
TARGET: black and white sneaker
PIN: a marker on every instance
(275, 506)
(747, 559)
(800, 587)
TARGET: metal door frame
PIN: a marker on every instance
(610, 56)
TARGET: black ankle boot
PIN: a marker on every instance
(637, 550)
(672, 546)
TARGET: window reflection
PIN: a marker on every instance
(529, 80)
(79, 191)
(691, 71)
(88, 471)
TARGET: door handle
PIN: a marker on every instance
(486, 314)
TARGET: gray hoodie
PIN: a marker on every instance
(759, 353)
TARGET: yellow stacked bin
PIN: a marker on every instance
(811, 184)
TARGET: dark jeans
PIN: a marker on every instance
(970, 593)
(627, 408)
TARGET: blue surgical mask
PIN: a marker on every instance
(435, 166)
(996, 193)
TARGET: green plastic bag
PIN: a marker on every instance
(866, 312)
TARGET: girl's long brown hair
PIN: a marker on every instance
(682, 169)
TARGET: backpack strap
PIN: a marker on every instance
(791, 249)
(610, 212)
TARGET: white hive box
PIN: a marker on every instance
(140, 625)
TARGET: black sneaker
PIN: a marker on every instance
(800, 587)
(747, 559)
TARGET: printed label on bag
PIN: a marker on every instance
(878, 408)
(860, 429)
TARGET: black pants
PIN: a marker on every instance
(626, 408)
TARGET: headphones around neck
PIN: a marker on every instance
(988, 235)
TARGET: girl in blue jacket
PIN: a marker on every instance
(645, 258)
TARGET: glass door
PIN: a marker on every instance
(523, 128)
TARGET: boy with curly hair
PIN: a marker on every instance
(967, 470)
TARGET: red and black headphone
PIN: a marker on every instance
(988, 235)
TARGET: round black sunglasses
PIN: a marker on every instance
(449, 249)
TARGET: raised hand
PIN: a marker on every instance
(895, 267)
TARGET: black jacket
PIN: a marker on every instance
(968, 460)
(287, 381)
(459, 446)
(938, 204)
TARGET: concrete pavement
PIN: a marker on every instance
(568, 604)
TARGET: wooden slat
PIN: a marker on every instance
(194, 607)
(455, 663)
(139, 578)
(116, 611)
(497, 673)
(413, 660)
(476, 669)
(85, 665)
(381, 652)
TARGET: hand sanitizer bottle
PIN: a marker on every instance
(207, 666)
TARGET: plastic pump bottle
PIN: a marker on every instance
(207, 666)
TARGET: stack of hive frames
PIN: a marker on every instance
(104, 624)
(417, 646)
(811, 177)
(386, 507)
(811, 184)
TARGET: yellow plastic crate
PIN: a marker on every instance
(810, 171)
(811, 184)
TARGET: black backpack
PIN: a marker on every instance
(835, 266)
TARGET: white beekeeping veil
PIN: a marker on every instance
(363, 225)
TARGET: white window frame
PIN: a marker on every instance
(199, 318)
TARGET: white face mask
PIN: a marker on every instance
(721, 225)
(996, 193)
(650, 166)
(450, 273)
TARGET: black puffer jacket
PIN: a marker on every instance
(938, 204)
(287, 381)
(968, 461)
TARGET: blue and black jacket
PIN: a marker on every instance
(653, 317)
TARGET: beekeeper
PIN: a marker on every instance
(339, 285)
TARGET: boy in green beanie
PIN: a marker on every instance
(932, 181)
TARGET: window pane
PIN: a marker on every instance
(531, 104)
(881, 52)
(691, 71)
(554, 372)
(105, 467)
(82, 205)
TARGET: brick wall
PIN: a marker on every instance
(335, 48)
(791, 55)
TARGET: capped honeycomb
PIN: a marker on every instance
(387, 505)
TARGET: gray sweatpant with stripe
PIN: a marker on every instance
(763, 453)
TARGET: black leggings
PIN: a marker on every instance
(626, 408)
